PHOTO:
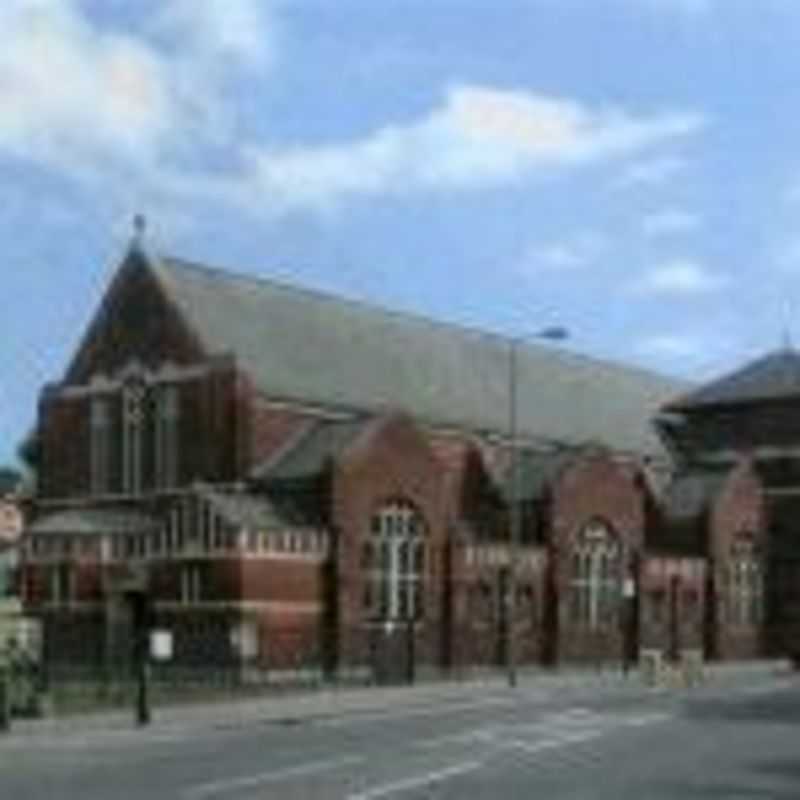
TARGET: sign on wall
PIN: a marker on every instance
(161, 645)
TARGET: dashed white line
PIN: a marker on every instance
(417, 781)
(554, 742)
(427, 711)
(273, 776)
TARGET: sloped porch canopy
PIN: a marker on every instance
(90, 521)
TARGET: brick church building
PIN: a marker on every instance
(290, 478)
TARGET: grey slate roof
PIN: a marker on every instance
(681, 528)
(309, 454)
(245, 510)
(770, 377)
(90, 521)
(536, 471)
(307, 346)
(690, 494)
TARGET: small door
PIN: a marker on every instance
(392, 653)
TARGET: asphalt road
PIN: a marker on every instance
(735, 742)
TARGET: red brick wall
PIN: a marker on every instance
(594, 486)
(479, 620)
(668, 582)
(207, 430)
(282, 580)
(391, 460)
(64, 436)
(270, 426)
(739, 508)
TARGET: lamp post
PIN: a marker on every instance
(515, 521)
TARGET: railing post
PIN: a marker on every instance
(143, 690)
(5, 698)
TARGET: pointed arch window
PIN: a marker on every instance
(393, 563)
(595, 577)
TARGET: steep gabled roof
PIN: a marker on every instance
(93, 521)
(307, 346)
(311, 452)
(771, 377)
(257, 511)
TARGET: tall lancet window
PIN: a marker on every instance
(133, 419)
(100, 445)
(166, 437)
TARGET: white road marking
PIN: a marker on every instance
(482, 734)
(646, 719)
(560, 726)
(427, 711)
(273, 776)
(417, 781)
(755, 690)
(554, 742)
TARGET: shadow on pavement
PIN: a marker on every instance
(776, 779)
(779, 708)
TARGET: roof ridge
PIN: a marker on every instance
(753, 381)
(375, 307)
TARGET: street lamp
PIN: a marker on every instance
(553, 334)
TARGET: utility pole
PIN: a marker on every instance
(515, 519)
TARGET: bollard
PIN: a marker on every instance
(5, 699)
(143, 716)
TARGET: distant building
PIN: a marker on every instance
(283, 472)
(752, 413)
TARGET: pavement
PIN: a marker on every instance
(294, 707)
(563, 735)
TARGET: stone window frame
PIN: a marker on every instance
(393, 559)
(597, 562)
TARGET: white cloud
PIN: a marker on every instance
(92, 100)
(700, 351)
(235, 29)
(669, 221)
(68, 89)
(671, 346)
(680, 277)
(85, 97)
(478, 137)
(574, 253)
(651, 172)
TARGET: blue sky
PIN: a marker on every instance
(627, 168)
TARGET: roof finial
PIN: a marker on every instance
(139, 229)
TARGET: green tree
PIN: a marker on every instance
(10, 479)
